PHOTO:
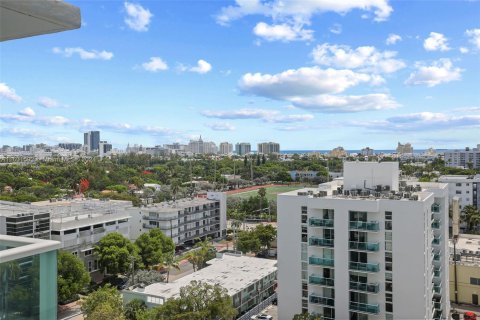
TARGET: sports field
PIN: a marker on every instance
(272, 192)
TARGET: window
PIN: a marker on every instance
(388, 225)
(304, 210)
(88, 253)
(388, 307)
(55, 233)
(388, 215)
(388, 286)
(155, 300)
(388, 297)
(70, 231)
(110, 223)
(458, 184)
(475, 281)
(458, 192)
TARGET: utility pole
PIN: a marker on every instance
(251, 169)
(455, 239)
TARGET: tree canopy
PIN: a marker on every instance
(152, 246)
(72, 276)
(198, 300)
(104, 303)
(116, 253)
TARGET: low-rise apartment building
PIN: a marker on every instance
(183, 220)
(463, 158)
(20, 219)
(466, 188)
(248, 280)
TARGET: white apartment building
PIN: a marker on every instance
(183, 220)
(248, 280)
(80, 224)
(243, 148)
(20, 219)
(466, 188)
(463, 158)
(268, 147)
(225, 148)
(367, 246)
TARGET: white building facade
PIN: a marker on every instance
(183, 220)
(225, 148)
(466, 188)
(364, 247)
(463, 158)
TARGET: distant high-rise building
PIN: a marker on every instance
(92, 140)
(104, 148)
(404, 148)
(268, 147)
(225, 148)
(463, 158)
(202, 147)
(367, 246)
(243, 148)
(70, 146)
(367, 152)
(338, 152)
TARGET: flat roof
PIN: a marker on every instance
(21, 247)
(232, 272)
(170, 206)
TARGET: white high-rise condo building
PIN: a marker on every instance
(268, 147)
(404, 148)
(243, 148)
(463, 158)
(365, 246)
(225, 148)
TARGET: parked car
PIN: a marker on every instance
(469, 316)
(261, 316)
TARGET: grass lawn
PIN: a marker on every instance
(271, 192)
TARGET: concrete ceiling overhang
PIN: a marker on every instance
(26, 18)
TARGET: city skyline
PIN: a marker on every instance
(232, 72)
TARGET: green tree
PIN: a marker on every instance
(175, 188)
(72, 276)
(265, 234)
(306, 316)
(198, 300)
(262, 192)
(471, 216)
(170, 261)
(152, 245)
(248, 242)
(116, 253)
(135, 310)
(107, 300)
(264, 160)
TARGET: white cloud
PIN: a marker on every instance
(50, 103)
(422, 121)
(25, 133)
(393, 38)
(365, 58)
(41, 121)
(336, 28)
(84, 54)
(303, 82)
(436, 42)
(8, 93)
(201, 67)
(342, 104)
(282, 32)
(28, 112)
(138, 18)
(221, 126)
(155, 64)
(463, 50)
(270, 116)
(441, 71)
(474, 35)
(299, 10)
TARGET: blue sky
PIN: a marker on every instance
(309, 75)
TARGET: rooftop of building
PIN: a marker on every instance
(467, 248)
(455, 178)
(180, 204)
(232, 272)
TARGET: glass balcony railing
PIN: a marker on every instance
(319, 261)
(367, 267)
(436, 240)
(324, 301)
(436, 257)
(364, 246)
(320, 242)
(365, 307)
(436, 224)
(365, 287)
(317, 222)
(365, 225)
(437, 288)
(435, 207)
(319, 280)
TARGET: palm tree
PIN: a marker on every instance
(262, 192)
(471, 216)
(175, 188)
(170, 261)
